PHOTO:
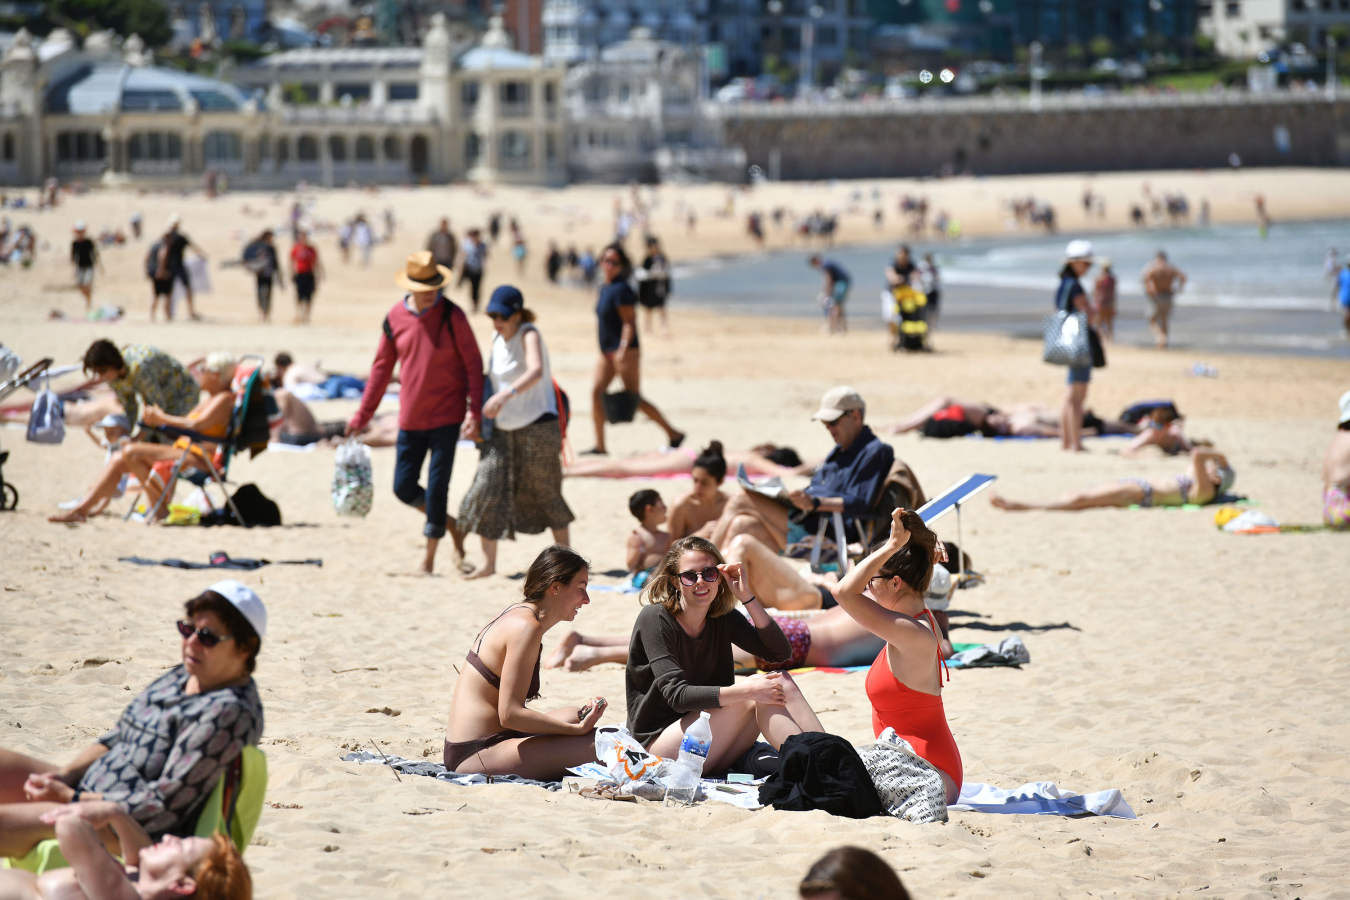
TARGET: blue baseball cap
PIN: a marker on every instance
(505, 301)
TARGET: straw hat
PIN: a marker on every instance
(420, 273)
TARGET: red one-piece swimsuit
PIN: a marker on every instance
(916, 716)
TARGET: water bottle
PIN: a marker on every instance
(1204, 370)
(685, 774)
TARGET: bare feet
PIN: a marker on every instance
(482, 571)
(583, 657)
(1001, 502)
(69, 518)
(428, 566)
(564, 650)
(457, 541)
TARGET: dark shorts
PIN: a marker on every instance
(304, 286)
(1080, 374)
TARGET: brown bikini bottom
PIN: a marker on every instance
(458, 751)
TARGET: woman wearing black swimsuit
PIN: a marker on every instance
(491, 731)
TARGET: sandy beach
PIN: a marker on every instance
(1201, 673)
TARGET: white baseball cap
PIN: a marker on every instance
(244, 600)
(939, 594)
(1078, 249)
(1345, 408)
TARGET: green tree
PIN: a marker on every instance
(1101, 47)
(147, 18)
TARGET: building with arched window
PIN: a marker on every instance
(454, 108)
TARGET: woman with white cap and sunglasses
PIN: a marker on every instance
(1070, 297)
(169, 746)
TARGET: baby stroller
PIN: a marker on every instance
(9, 494)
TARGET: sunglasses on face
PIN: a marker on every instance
(609, 261)
(495, 316)
(206, 636)
(708, 574)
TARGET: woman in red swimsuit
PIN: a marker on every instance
(491, 730)
(884, 594)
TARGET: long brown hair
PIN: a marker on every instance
(555, 563)
(664, 585)
(914, 561)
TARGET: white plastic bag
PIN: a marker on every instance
(353, 481)
(623, 757)
(47, 420)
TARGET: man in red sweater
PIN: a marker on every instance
(441, 397)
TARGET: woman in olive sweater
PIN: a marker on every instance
(679, 660)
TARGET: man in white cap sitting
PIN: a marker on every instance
(847, 482)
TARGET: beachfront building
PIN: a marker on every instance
(634, 114)
(577, 30)
(1244, 28)
(454, 108)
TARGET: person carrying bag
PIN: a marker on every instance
(1070, 340)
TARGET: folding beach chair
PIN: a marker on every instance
(249, 429)
(233, 808)
(900, 489)
(951, 499)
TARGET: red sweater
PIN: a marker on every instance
(441, 375)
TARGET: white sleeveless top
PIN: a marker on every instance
(506, 364)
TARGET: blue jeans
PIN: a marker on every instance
(1080, 374)
(412, 449)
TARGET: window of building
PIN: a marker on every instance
(550, 94)
(514, 93)
(624, 92)
(337, 148)
(550, 148)
(393, 148)
(826, 36)
(1232, 9)
(859, 39)
(307, 148)
(358, 91)
(473, 147)
(7, 148)
(1299, 5)
(515, 150)
(403, 91)
(155, 145)
(468, 95)
(283, 151)
(151, 101)
(222, 146)
(365, 148)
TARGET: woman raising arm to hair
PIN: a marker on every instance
(884, 594)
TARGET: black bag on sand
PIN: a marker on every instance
(255, 507)
(621, 406)
(821, 771)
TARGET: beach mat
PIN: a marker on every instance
(438, 771)
(219, 560)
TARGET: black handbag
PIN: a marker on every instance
(1098, 351)
(621, 406)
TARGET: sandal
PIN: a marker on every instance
(607, 792)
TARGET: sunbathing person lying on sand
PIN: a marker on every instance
(490, 729)
(762, 459)
(210, 416)
(1208, 477)
(205, 868)
(946, 417)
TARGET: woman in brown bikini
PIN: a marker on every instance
(491, 731)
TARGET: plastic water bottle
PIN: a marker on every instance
(682, 782)
(1204, 370)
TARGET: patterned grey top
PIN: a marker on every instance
(169, 748)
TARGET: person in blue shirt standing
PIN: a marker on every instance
(833, 293)
(1343, 295)
(848, 481)
(616, 320)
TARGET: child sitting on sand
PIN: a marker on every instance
(647, 543)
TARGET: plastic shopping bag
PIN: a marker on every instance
(47, 419)
(625, 759)
(353, 481)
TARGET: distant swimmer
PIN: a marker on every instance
(1161, 281)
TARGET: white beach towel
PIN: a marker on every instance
(1042, 798)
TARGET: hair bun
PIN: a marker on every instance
(714, 448)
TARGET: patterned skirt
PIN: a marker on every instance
(518, 484)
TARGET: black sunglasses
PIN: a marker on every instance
(206, 636)
(709, 574)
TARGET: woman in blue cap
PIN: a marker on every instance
(518, 484)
